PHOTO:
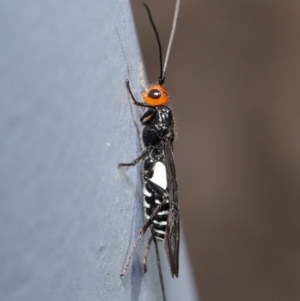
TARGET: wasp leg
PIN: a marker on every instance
(158, 265)
(157, 190)
(137, 103)
(147, 253)
(141, 234)
(139, 158)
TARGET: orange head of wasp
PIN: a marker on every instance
(155, 96)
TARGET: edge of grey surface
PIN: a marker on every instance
(68, 216)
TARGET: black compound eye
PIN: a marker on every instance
(154, 93)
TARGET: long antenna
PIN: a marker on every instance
(161, 78)
(158, 41)
(171, 38)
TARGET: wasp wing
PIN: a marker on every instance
(172, 230)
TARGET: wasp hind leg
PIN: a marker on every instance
(140, 235)
(152, 238)
(158, 265)
(146, 254)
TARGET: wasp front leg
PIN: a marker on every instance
(137, 103)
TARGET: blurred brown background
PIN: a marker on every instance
(234, 81)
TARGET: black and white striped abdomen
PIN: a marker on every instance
(154, 189)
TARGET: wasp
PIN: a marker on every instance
(160, 188)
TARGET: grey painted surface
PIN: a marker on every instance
(68, 216)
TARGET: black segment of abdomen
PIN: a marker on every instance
(150, 200)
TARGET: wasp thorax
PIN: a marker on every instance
(156, 95)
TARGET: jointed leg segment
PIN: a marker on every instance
(133, 98)
(141, 233)
(158, 264)
(138, 159)
(146, 254)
